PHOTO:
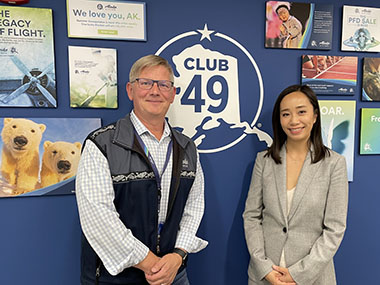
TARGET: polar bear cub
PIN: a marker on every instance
(20, 155)
(59, 161)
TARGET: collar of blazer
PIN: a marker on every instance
(306, 176)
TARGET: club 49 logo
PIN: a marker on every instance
(219, 89)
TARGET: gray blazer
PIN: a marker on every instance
(311, 233)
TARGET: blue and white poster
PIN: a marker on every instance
(298, 25)
(361, 29)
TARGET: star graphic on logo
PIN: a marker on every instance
(205, 33)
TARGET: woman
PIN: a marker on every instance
(296, 208)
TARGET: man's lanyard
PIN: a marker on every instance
(150, 157)
(157, 175)
(158, 179)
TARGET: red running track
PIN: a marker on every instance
(346, 68)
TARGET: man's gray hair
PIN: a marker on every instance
(149, 61)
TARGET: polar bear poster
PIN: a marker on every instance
(25, 141)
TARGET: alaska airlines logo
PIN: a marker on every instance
(212, 106)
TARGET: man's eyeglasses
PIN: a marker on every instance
(147, 84)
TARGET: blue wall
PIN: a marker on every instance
(40, 236)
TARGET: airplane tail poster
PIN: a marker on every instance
(27, 71)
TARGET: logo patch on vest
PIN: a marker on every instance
(185, 163)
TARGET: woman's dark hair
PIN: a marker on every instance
(279, 136)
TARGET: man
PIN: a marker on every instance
(140, 189)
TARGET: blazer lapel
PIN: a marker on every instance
(280, 176)
(306, 176)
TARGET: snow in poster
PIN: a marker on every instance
(338, 129)
(27, 73)
(298, 25)
(369, 131)
(361, 29)
(93, 77)
(40, 155)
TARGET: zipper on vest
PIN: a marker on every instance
(159, 226)
(158, 244)
(97, 271)
(97, 274)
(142, 154)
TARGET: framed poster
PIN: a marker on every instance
(112, 20)
(371, 79)
(369, 131)
(27, 72)
(40, 155)
(298, 25)
(338, 129)
(330, 75)
(93, 77)
(360, 29)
